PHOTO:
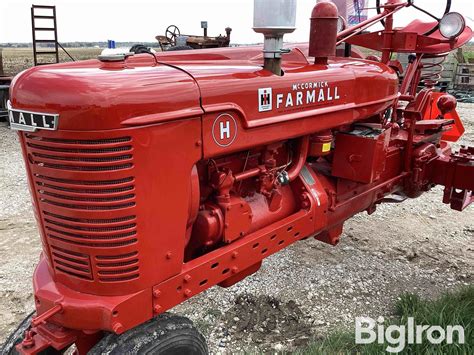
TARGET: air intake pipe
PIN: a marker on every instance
(274, 18)
(323, 33)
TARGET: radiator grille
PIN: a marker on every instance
(81, 167)
(79, 141)
(71, 263)
(86, 197)
(117, 268)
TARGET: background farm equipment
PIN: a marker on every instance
(45, 50)
(196, 169)
(5, 82)
(173, 39)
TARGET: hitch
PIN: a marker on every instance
(456, 173)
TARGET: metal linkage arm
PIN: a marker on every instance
(456, 173)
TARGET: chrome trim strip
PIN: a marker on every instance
(27, 128)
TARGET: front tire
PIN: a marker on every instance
(164, 335)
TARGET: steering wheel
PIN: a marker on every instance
(412, 4)
(172, 33)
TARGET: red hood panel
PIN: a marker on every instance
(89, 97)
(303, 90)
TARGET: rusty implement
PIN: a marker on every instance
(173, 38)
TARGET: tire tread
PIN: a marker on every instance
(156, 336)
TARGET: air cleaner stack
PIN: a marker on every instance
(274, 18)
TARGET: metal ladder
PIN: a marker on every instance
(41, 51)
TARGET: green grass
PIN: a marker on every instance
(468, 51)
(469, 56)
(451, 309)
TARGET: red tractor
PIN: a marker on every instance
(157, 176)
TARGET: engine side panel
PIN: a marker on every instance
(245, 105)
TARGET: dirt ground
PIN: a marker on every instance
(17, 59)
(300, 293)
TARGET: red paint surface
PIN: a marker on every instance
(166, 177)
(432, 111)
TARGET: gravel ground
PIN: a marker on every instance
(303, 292)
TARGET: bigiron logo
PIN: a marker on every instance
(368, 331)
(301, 94)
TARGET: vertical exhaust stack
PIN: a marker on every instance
(274, 18)
(323, 33)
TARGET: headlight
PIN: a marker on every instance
(341, 24)
(452, 25)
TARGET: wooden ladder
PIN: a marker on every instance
(49, 50)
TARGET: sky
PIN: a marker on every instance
(142, 20)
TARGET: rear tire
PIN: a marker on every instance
(179, 48)
(164, 335)
(15, 338)
(140, 49)
(3, 104)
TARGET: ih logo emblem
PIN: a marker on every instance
(224, 130)
(265, 100)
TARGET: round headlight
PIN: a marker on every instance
(452, 25)
(341, 24)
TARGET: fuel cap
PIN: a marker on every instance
(120, 57)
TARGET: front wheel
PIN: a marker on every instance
(164, 335)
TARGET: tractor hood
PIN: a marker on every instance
(95, 95)
(359, 88)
